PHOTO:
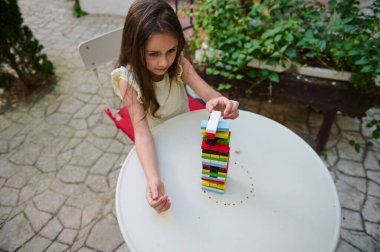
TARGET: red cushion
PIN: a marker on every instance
(194, 104)
(122, 119)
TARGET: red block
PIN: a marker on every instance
(223, 148)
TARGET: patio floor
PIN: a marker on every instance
(60, 156)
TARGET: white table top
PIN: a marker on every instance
(279, 195)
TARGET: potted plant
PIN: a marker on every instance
(265, 42)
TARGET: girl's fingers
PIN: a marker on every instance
(155, 203)
(165, 206)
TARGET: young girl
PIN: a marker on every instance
(150, 80)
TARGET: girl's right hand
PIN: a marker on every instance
(156, 197)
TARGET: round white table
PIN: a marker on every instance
(279, 195)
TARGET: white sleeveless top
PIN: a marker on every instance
(172, 96)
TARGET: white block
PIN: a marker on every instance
(212, 124)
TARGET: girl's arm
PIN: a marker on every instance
(145, 149)
(214, 100)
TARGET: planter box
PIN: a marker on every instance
(111, 7)
(322, 73)
(319, 94)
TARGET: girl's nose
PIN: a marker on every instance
(163, 62)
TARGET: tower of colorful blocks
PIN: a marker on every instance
(215, 152)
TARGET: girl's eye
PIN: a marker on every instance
(172, 50)
(154, 54)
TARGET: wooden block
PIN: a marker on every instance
(213, 121)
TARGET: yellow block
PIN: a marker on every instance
(219, 134)
(211, 184)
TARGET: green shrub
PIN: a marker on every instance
(337, 36)
(20, 53)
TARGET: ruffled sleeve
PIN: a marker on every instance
(179, 72)
(123, 73)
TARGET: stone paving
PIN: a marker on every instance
(60, 157)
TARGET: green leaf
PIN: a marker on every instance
(362, 61)
(366, 69)
(357, 147)
(274, 77)
(224, 86)
(291, 53)
(251, 74)
(376, 134)
(353, 52)
(289, 37)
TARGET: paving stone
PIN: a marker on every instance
(97, 183)
(85, 155)
(3, 147)
(92, 212)
(351, 168)
(49, 201)
(81, 198)
(58, 119)
(100, 143)
(360, 239)
(352, 220)
(36, 185)
(57, 247)
(347, 123)
(38, 243)
(73, 174)
(373, 229)
(105, 131)
(108, 241)
(81, 238)
(78, 124)
(85, 249)
(374, 176)
(371, 209)
(104, 164)
(27, 155)
(16, 141)
(112, 178)
(52, 108)
(349, 196)
(2, 181)
(10, 132)
(55, 147)
(116, 147)
(373, 189)
(357, 182)
(346, 247)
(47, 164)
(70, 217)
(7, 169)
(71, 106)
(52, 229)
(37, 218)
(371, 161)
(347, 152)
(8, 196)
(15, 233)
(85, 111)
(21, 178)
(123, 248)
(63, 188)
(67, 236)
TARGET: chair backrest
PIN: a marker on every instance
(97, 52)
(101, 49)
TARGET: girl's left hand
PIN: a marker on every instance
(229, 108)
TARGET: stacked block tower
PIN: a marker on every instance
(215, 152)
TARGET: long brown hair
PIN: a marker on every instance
(145, 18)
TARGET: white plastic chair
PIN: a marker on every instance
(103, 49)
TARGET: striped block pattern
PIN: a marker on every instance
(215, 155)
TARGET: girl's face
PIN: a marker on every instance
(160, 53)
